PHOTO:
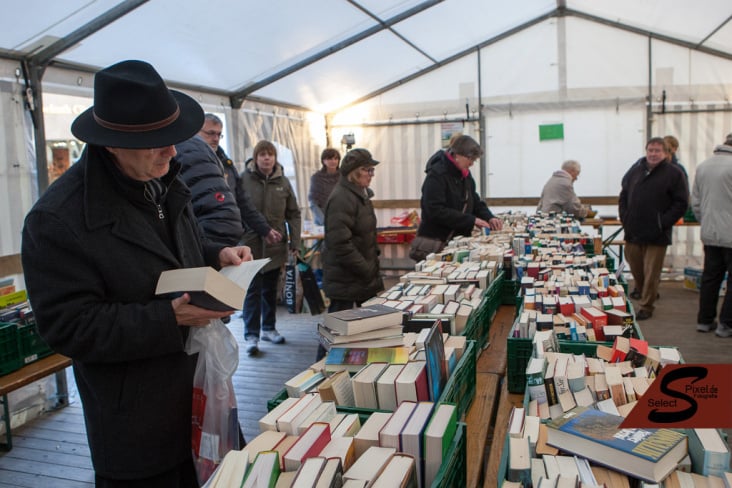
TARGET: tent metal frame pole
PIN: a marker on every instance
(649, 105)
(35, 74)
(481, 129)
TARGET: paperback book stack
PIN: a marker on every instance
(369, 326)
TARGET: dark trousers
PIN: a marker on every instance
(336, 306)
(260, 304)
(182, 476)
(717, 261)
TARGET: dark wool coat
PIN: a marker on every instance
(444, 193)
(651, 202)
(91, 260)
(213, 200)
(350, 255)
(275, 199)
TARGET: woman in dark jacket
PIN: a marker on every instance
(450, 204)
(351, 255)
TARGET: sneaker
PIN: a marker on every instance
(706, 327)
(643, 315)
(272, 336)
(723, 330)
(635, 294)
(252, 346)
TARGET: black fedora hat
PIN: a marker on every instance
(134, 109)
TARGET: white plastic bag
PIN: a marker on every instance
(215, 423)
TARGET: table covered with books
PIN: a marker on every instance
(427, 380)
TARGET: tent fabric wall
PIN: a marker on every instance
(18, 188)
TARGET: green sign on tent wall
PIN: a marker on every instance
(551, 131)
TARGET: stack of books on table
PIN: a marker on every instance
(369, 326)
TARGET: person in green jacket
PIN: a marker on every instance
(270, 190)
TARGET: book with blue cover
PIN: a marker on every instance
(647, 454)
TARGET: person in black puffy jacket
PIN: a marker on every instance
(213, 201)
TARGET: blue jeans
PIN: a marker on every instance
(717, 261)
(260, 304)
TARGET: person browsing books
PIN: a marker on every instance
(558, 193)
(271, 192)
(93, 247)
(351, 254)
(450, 205)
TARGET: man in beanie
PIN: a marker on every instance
(93, 248)
(351, 255)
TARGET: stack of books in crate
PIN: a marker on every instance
(579, 441)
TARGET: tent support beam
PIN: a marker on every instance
(560, 11)
(450, 59)
(45, 56)
(652, 35)
(238, 97)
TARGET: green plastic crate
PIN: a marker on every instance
(509, 291)
(459, 388)
(480, 319)
(9, 348)
(32, 345)
(518, 352)
(453, 472)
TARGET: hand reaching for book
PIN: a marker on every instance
(192, 316)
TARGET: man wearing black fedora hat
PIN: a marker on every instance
(93, 248)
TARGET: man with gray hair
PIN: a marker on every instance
(558, 193)
(711, 201)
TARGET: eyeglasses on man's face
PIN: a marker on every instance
(213, 133)
(368, 171)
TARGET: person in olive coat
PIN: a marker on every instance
(351, 272)
(265, 182)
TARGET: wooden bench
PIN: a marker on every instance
(55, 363)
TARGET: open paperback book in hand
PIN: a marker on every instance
(211, 289)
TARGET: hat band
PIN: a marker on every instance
(138, 127)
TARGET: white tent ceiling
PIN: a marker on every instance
(325, 54)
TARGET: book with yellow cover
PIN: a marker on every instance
(353, 359)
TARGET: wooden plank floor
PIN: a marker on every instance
(52, 451)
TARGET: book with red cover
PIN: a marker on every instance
(310, 443)
(411, 384)
(597, 318)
